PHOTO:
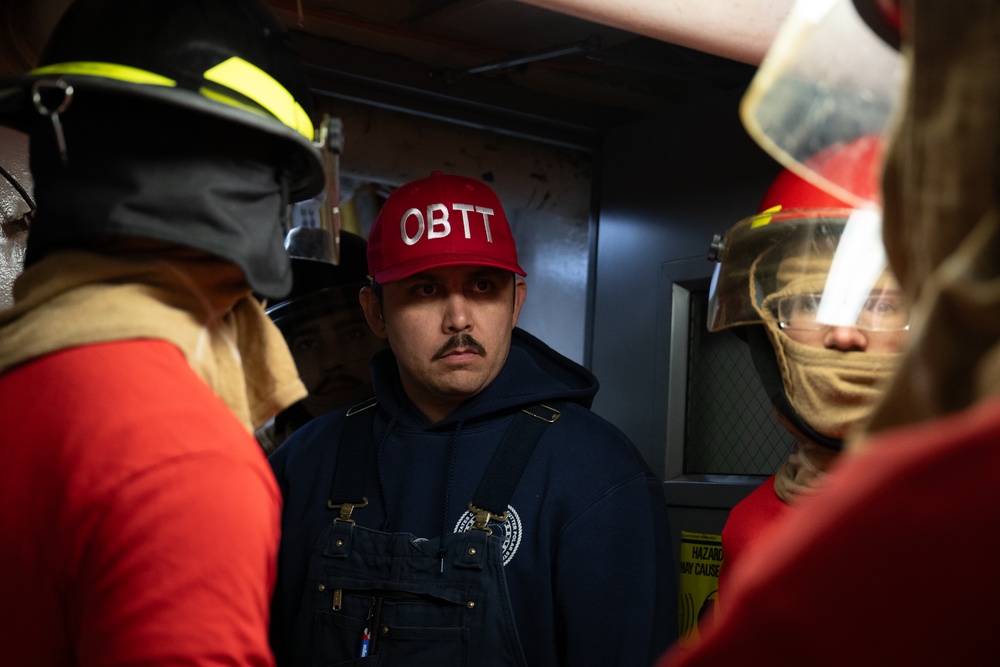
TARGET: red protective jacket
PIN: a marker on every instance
(893, 564)
(146, 517)
(747, 522)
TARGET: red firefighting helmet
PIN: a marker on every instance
(804, 262)
(803, 240)
(829, 83)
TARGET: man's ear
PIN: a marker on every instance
(520, 294)
(373, 311)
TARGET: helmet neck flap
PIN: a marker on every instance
(129, 181)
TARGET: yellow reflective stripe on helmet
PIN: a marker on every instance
(236, 74)
(107, 71)
(249, 80)
(763, 218)
(231, 101)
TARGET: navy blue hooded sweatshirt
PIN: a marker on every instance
(590, 572)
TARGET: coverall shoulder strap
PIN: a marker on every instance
(353, 457)
(508, 462)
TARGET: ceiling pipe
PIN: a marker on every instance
(740, 31)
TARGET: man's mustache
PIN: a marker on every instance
(462, 340)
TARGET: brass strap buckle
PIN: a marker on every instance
(346, 509)
(481, 518)
(548, 417)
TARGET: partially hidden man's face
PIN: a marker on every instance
(450, 329)
(331, 353)
(871, 312)
(881, 327)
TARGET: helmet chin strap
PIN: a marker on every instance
(766, 363)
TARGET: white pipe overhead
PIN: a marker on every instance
(741, 30)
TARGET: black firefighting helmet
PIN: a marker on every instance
(227, 60)
(181, 122)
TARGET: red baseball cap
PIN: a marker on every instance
(441, 220)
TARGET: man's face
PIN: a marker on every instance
(331, 353)
(871, 312)
(450, 329)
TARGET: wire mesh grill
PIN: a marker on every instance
(730, 425)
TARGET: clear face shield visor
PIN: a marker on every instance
(312, 227)
(825, 98)
(805, 270)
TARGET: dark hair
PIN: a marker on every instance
(377, 288)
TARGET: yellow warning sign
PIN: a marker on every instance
(701, 558)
